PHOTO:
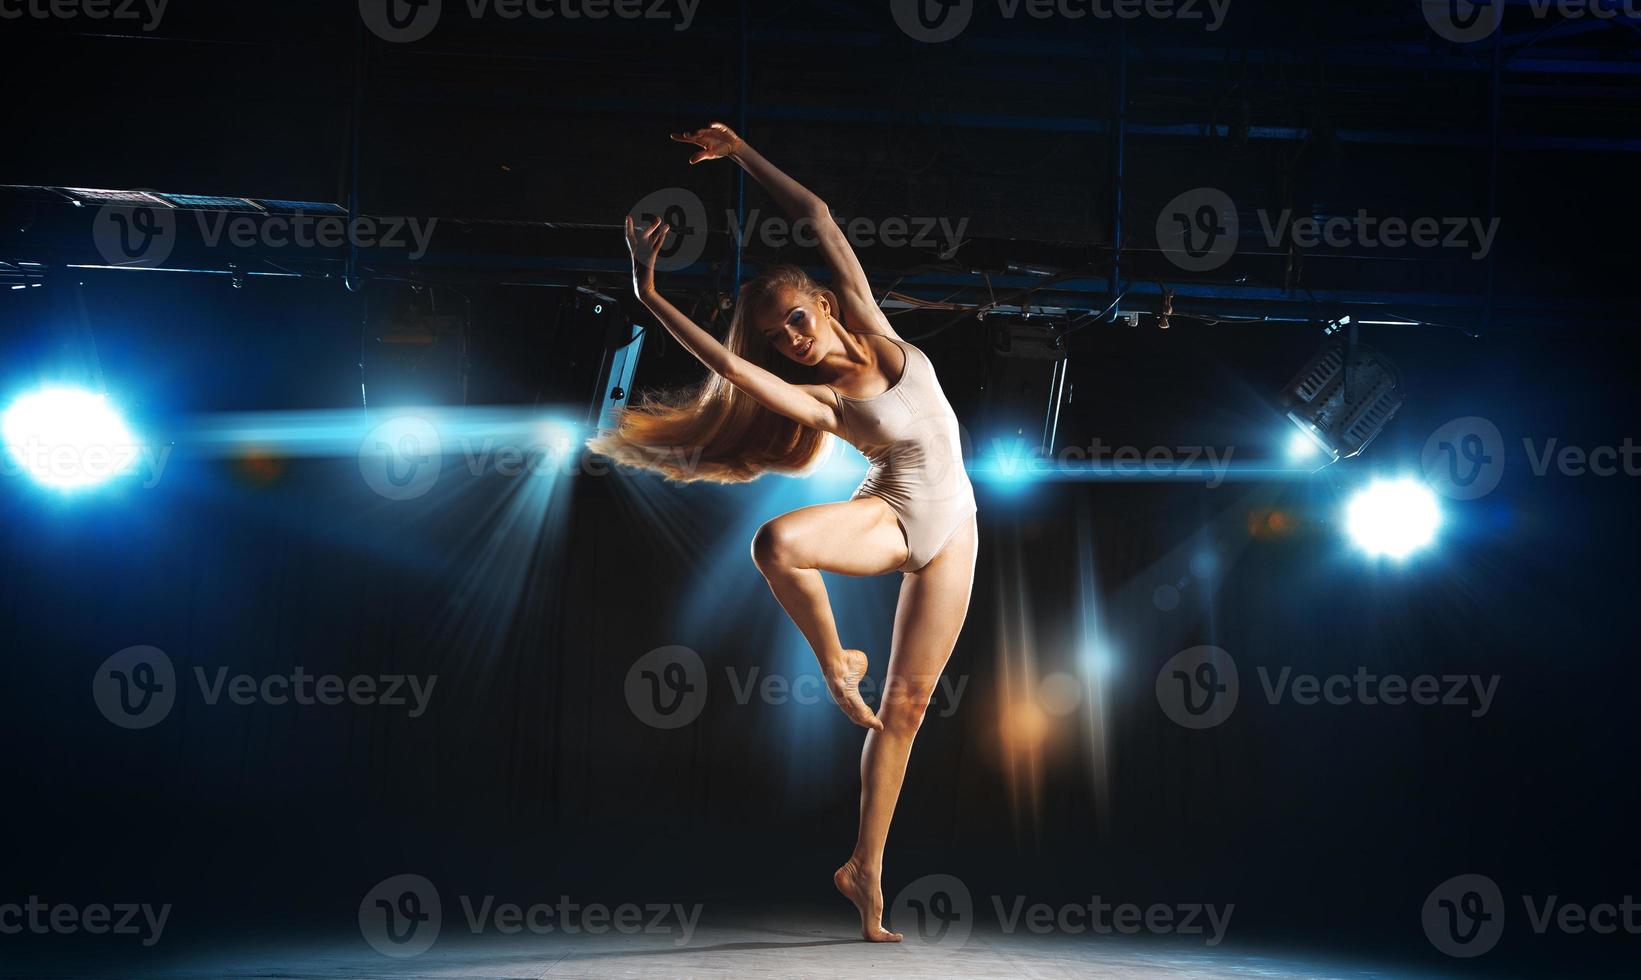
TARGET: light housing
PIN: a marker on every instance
(1343, 398)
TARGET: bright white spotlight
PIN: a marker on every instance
(68, 438)
(1302, 447)
(1393, 518)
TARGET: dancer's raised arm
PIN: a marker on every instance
(861, 312)
(811, 405)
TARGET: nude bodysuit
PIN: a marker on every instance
(910, 434)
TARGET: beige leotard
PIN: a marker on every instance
(911, 436)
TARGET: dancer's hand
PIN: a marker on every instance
(645, 245)
(716, 142)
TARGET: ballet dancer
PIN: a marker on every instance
(800, 364)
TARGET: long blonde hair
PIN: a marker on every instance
(715, 431)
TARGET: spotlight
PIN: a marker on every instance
(68, 438)
(1393, 518)
(1301, 447)
(1344, 397)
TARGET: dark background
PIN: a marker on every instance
(530, 777)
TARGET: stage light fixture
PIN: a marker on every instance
(82, 196)
(1343, 398)
(68, 438)
(210, 202)
(1393, 518)
(299, 207)
(1025, 380)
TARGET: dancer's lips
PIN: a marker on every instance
(804, 350)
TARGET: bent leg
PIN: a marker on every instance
(934, 602)
(856, 537)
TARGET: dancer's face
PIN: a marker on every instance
(797, 324)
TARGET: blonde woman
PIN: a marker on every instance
(802, 363)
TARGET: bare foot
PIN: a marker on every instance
(864, 890)
(844, 680)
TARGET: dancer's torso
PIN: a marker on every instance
(912, 438)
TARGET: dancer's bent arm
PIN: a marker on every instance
(861, 312)
(811, 405)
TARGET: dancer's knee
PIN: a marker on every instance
(774, 547)
(904, 706)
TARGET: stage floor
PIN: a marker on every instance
(795, 947)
